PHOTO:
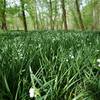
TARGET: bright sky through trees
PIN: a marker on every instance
(13, 2)
(17, 2)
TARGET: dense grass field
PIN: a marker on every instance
(57, 65)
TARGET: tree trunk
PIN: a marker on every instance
(24, 17)
(96, 15)
(55, 17)
(79, 15)
(64, 14)
(4, 25)
(51, 20)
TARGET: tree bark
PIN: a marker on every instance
(79, 15)
(4, 25)
(51, 20)
(96, 14)
(64, 14)
(24, 17)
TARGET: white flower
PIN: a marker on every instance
(90, 43)
(98, 60)
(98, 65)
(39, 45)
(97, 50)
(72, 57)
(32, 92)
(67, 60)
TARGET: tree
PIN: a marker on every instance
(96, 14)
(23, 14)
(51, 15)
(3, 15)
(79, 14)
(64, 14)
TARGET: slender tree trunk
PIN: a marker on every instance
(96, 14)
(79, 15)
(36, 15)
(24, 17)
(51, 20)
(64, 14)
(55, 17)
(4, 25)
(94, 19)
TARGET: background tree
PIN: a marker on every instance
(49, 14)
(23, 14)
(3, 14)
(64, 14)
(79, 14)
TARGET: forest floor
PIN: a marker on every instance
(57, 65)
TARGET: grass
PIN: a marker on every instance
(64, 65)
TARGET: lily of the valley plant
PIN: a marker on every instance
(33, 91)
